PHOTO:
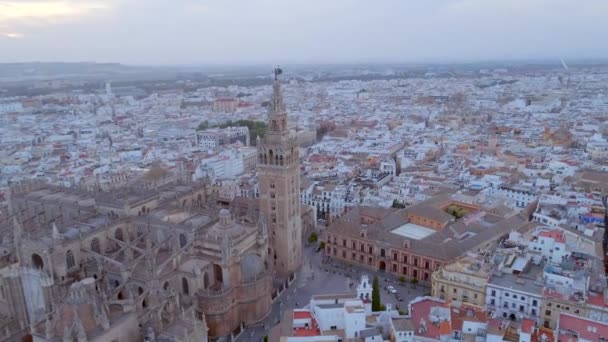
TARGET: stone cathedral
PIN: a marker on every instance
(150, 262)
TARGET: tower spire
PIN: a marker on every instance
(277, 114)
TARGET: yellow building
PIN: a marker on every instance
(464, 280)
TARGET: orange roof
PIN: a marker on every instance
(527, 325)
(445, 328)
(556, 235)
(301, 314)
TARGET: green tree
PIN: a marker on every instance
(376, 306)
(322, 245)
(402, 279)
(414, 281)
(398, 205)
(313, 237)
(203, 125)
(265, 338)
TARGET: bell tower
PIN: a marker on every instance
(279, 177)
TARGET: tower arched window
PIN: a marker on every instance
(95, 246)
(69, 259)
(185, 287)
(118, 234)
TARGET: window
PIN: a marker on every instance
(548, 312)
(427, 265)
(369, 260)
(492, 302)
(354, 256)
(534, 302)
(344, 243)
(415, 261)
(382, 252)
(493, 293)
(506, 294)
(475, 295)
(95, 247)
(344, 254)
(404, 270)
(405, 259)
(371, 249)
(69, 259)
(521, 308)
(182, 240)
(185, 287)
(454, 290)
(522, 298)
(395, 268)
(395, 256)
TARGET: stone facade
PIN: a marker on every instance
(279, 179)
(160, 264)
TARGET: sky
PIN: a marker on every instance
(197, 32)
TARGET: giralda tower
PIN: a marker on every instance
(279, 177)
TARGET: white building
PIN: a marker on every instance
(516, 296)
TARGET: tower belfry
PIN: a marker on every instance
(279, 177)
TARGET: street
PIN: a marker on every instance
(319, 275)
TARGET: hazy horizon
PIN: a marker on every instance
(261, 32)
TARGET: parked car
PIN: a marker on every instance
(391, 289)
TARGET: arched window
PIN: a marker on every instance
(182, 240)
(95, 247)
(37, 262)
(118, 234)
(185, 288)
(69, 259)
(166, 286)
(206, 280)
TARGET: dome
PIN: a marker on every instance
(252, 265)
(225, 217)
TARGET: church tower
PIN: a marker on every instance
(279, 177)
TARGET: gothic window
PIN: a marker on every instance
(185, 287)
(69, 259)
(95, 247)
(118, 234)
(281, 160)
(37, 261)
(182, 240)
(206, 280)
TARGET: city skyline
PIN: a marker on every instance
(266, 31)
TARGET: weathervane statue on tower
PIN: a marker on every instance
(277, 72)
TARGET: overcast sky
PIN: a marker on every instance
(300, 31)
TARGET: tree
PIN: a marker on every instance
(397, 205)
(414, 281)
(402, 279)
(265, 338)
(376, 306)
(203, 125)
(322, 245)
(313, 237)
